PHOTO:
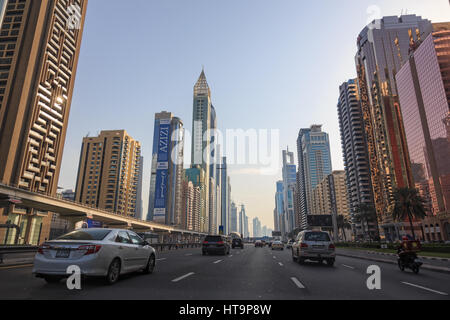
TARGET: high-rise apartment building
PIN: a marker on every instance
(108, 172)
(257, 231)
(382, 48)
(39, 50)
(314, 164)
(424, 90)
(354, 149)
(165, 203)
(139, 202)
(196, 175)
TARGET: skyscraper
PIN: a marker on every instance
(233, 218)
(165, 203)
(39, 47)
(139, 202)
(108, 172)
(289, 182)
(314, 164)
(279, 208)
(224, 194)
(196, 175)
(203, 115)
(354, 149)
(424, 91)
(382, 46)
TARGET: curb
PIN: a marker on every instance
(421, 257)
(13, 265)
(425, 266)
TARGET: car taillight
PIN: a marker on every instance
(332, 247)
(220, 242)
(205, 242)
(303, 245)
(90, 249)
(42, 248)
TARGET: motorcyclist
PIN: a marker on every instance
(404, 251)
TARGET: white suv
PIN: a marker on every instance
(315, 246)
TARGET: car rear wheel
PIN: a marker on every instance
(150, 265)
(330, 262)
(113, 272)
(301, 260)
(294, 258)
(52, 279)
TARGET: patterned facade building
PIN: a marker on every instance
(39, 49)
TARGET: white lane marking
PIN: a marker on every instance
(350, 267)
(424, 288)
(161, 259)
(230, 256)
(274, 257)
(188, 254)
(218, 261)
(183, 277)
(280, 264)
(297, 283)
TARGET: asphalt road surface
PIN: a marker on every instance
(249, 274)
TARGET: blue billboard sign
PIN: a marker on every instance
(94, 224)
(162, 171)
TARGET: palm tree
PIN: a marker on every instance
(408, 205)
(343, 224)
(364, 214)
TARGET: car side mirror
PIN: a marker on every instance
(145, 243)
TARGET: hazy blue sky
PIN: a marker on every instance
(271, 64)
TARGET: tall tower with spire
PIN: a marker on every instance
(201, 139)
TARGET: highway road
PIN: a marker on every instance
(249, 274)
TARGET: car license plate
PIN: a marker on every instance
(63, 253)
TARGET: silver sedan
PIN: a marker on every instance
(105, 253)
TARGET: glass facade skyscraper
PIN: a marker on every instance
(314, 159)
(289, 172)
(425, 107)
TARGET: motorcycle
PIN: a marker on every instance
(409, 260)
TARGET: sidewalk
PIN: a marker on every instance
(430, 263)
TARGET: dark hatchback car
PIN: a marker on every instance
(237, 243)
(215, 245)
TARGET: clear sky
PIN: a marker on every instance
(271, 64)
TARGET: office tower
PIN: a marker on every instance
(139, 203)
(212, 207)
(196, 175)
(39, 52)
(233, 218)
(424, 91)
(289, 182)
(108, 172)
(229, 205)
(354, 150)
(314, 164)
(190, 204)
(247, 229)
(242, 218)
(279, 208)
(265, 232)
(167, 170)
(257, 231)
(224, 194)
(382, 48)
(201, 134)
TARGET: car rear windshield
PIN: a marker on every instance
(85, 234)
(213, 238)
(317, 236)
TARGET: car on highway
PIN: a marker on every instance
(237, 243)
(107, 253)
(259, 244)
(289, 244)
(215, 244)
(278, 245)
(314, 246)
